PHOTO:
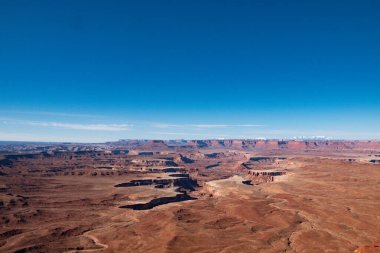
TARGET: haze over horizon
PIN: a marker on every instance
(95, 71)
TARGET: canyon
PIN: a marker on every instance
(191, 196)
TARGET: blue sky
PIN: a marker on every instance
(106, 70)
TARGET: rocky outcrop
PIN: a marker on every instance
(266, 173)
(181, 159)
(183, 183)
(258, 177)
(154, 162)
(262, 159)
(159, 201)
(155, 144)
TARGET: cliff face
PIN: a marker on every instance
(280, 144)
(257, 144)
(155, 144)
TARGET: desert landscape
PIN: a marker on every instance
(191, 196)
(161, 126)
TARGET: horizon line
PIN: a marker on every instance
(210, 139)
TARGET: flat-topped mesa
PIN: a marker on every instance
(258, 177)
(237, 144)
(155, 144)
(266, 145)
(262, 159)
(266, 173)
(183, 184)
(159, 201)
(250, 144)
(154, 162)
(297, 145)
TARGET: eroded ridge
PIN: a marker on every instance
(194, 196)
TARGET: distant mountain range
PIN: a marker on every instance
(250, 144)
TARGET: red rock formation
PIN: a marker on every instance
(154, 144)
(296, 145)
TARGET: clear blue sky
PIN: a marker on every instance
(104, 70)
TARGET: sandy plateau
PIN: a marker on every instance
(155, 197)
